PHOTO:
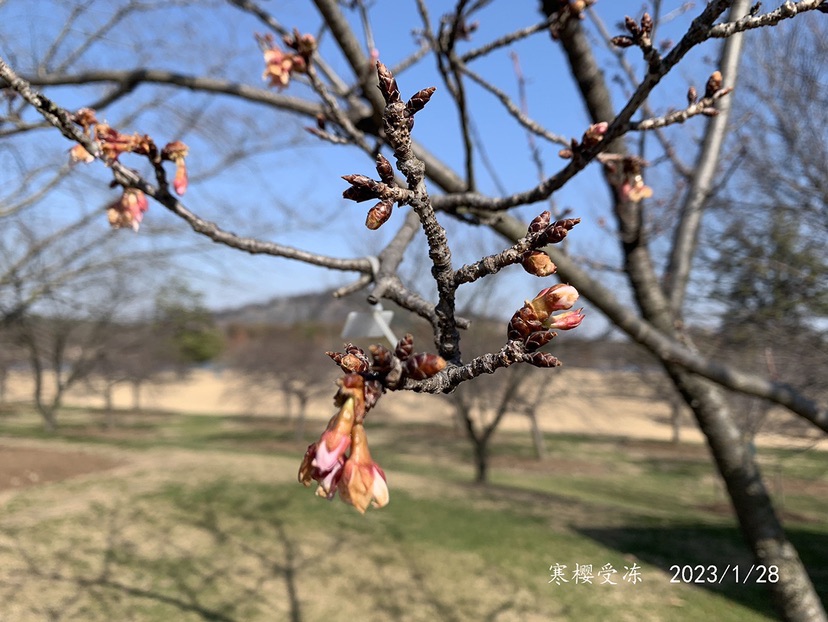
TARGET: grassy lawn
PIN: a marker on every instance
(200, 518)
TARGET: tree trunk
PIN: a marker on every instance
(537, 436)
(136, 395)
(49, 416)
(481, 461)
(109, 411)
(675, 418)
(793, 594)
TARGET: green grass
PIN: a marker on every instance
(221, 533)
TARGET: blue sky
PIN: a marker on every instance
(290, 168)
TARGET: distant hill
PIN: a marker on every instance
(321, 308)
(316, 307)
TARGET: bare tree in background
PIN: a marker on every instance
(65, 346)
(263, 355)
(352, 110)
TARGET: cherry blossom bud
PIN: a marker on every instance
(378, 215)
(538, 339)
(385, 170)
(692, 95)
(419, 100)
(388, 85)
(423, 365)
(556, 298)
(523, 323)
(566, 321)
(324, 460)
(352, 360)
(538, 263)
(382, 358)
(540, 222)
(646, 24)
(542, 359)
(622, 41)
(128, 211)
(363, 482)
(632, 26)
(714, 83)
(594, 134)
(404, 347)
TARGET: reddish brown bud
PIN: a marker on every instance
(540, 222)
(523, 323)
(378, 215)
(714, 83)
(538, 263)
(423, 365)
(537, 340)
(382, 358)
(622, 41)
(710, 112)
(362, 188)
(388, 85)
(419, 100)
(632, 26)
(542, 359)
(646, 24)
(386, 172)
(566, 154)
(692, 95)
(404, 347)
(352, 360)
(557, 231)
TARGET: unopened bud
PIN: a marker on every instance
(538, 339)
(692, 95)
(422, 365)
(556, 298)
(538, 263)
(378, 215)
(404, 347)
(714, 83)
(566, 321)
(542, 359)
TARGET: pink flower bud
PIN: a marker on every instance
(556, 298)
(363, 482)
(565, 321)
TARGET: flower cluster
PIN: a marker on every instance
(534, 322)
(279, 64)
(128, 210)
(340, 460)
(359, 480)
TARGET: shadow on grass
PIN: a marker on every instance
(699, 549)
(176, 555)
